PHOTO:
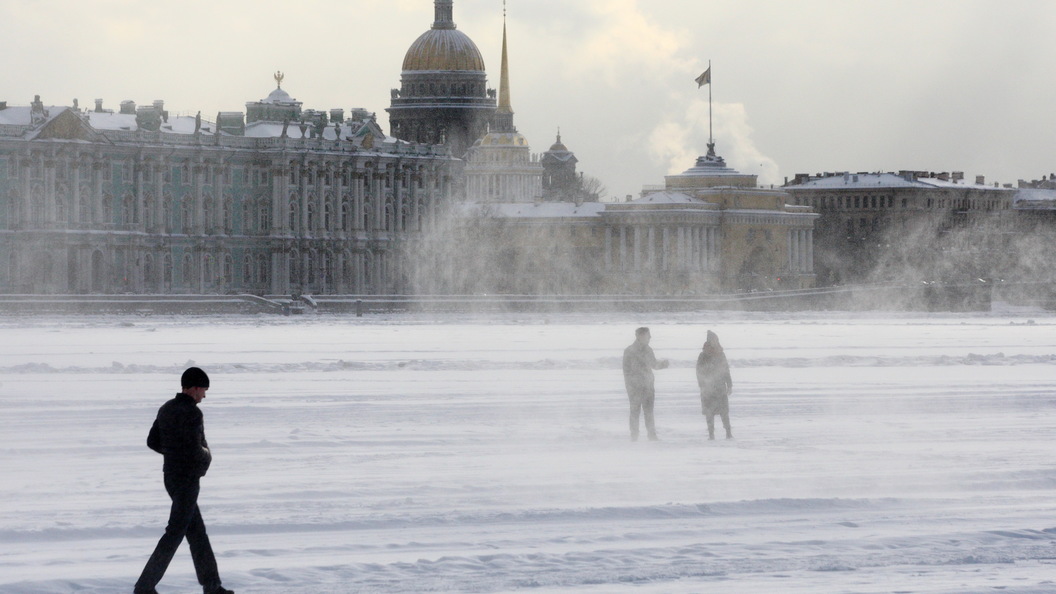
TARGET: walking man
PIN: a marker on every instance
(178, 434)
(638, 365)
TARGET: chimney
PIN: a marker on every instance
(958, 176)
(337, 115)
(980, 180)
(159, 106)
(128, 107)
(3, 105)
(98, 106)
(231, 122)
(944, 176)
(148, 118)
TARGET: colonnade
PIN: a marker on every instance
(639, 248)
(801, 250)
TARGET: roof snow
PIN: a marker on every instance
(666, 198)
(884, 180)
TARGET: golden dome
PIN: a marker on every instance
(443, 49)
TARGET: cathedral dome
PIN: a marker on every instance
(443, 47)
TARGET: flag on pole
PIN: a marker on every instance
(705, 78)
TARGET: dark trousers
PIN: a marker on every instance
(711, 404)
(184, 520)
(642, 401)
(725, 416)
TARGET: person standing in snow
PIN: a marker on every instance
(713, 377)
(638, 365)
(178, 433)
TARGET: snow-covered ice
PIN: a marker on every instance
(489, 453)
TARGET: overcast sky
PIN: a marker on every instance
(798, 87)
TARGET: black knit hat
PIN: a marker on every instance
(194, 378)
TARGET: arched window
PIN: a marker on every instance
(225, 213)
(208, 269)
(207, 213)
(227, 266)
(295, 268)
(187, 215)
(188, 272)
(263, 270)
(247, 270)
(311, 259)
(328, 269)
(264, 213)
(166, 271)
(148, 271)
(294, 215)
(128, 210)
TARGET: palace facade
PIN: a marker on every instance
(278, 200)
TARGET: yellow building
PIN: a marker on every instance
(708, 230)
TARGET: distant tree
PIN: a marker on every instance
(591, 188)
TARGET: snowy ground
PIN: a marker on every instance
(459, 453)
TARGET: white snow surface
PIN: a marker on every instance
(490, 453)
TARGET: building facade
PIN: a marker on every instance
(708, 230)
(905, 226)
(282, 201)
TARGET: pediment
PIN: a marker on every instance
(67, 125)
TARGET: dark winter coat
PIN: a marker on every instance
(178, 434)
(638, 365)
(713, 377)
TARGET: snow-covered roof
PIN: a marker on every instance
(666, 197)
(107, 120)
(184, 125)
(274, 130)
(15, 116)
(23, 115)
(883, 180)
(857, 180)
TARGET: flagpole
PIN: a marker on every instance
(711, 139)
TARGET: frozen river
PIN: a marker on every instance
(490, 453)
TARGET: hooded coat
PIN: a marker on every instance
(713, 377)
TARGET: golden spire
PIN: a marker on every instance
(278, 78)
(504, 78)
